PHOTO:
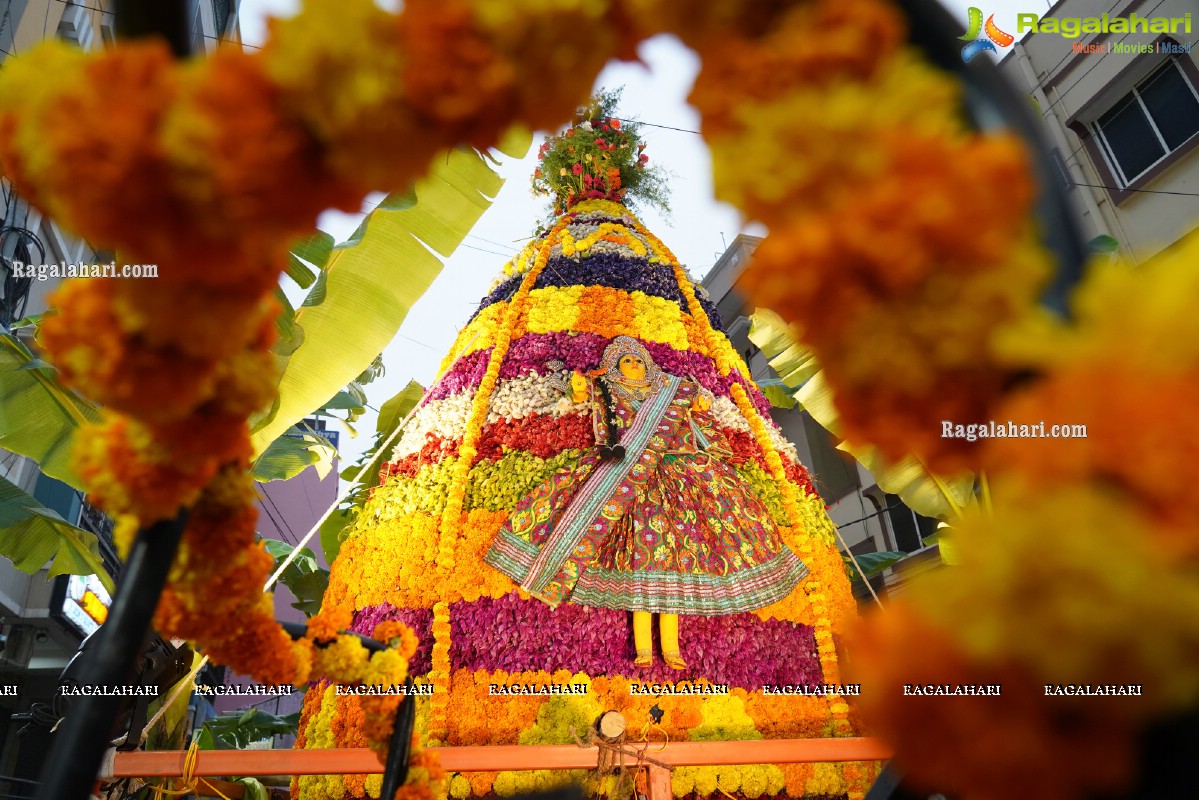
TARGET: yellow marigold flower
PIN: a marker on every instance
(348, 89)
(844, 40)
(1066, 588)
(545, 91)
(1130, 353)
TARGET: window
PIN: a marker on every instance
(1157, 117)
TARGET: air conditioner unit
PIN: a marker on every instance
(76, 26)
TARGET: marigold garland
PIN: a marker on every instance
(468, 449)
(440, 674)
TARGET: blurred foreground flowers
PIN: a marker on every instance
(1082, 569)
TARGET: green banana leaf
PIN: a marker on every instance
(38, 415)
(874, 563)
(236, 730)
(779, 342)
(778, 393)
(369, 283)
(170, 732)
(304, 576)
(314, 249)
(31, 535)
(254, 788)
(923, 492)
(291, 454)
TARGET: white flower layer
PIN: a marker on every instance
(534, 394)
(513, 399)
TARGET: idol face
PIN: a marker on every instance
(632, 367)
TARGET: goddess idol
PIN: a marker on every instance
(594, 452)
(651, 519)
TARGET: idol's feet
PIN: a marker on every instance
(674, 660)
(645, 659)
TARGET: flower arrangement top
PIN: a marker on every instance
(599, 157)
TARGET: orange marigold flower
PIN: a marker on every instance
(85, 341)
(103, 169)
(231, 139)
(398, 635)
(328, 623)
(1019, 610)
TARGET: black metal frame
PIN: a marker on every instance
(992, 104)
(75, 758)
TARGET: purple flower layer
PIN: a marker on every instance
(613, 270)
(523, 635)
(581, 351)
(465, 373)
(420, 620)
(632, 274)
(503, 290)
(713, 315)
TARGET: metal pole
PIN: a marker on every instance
(78, 749)
(992, 103)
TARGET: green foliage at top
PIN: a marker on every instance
(599, 157)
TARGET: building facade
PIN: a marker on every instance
(1121, 114)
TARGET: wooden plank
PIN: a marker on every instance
(659, 783)
(210, 788)
(488, 758)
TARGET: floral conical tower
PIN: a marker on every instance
(498, 423)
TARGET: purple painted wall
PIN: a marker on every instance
(287, 510)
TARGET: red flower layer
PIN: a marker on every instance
(545, 436)
(745, 449)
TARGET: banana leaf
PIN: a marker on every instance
(38, 415)
(291, 454)
(366, 288)
(925, 493)
(32, 535)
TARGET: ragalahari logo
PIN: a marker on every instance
(976, 45)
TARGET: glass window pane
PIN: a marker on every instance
(1130, 137)
(1172, 105)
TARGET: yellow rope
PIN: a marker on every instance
(645, 735)
(189, 779)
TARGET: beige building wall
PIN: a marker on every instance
(1072, 89)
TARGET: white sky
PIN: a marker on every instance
(697, 232)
